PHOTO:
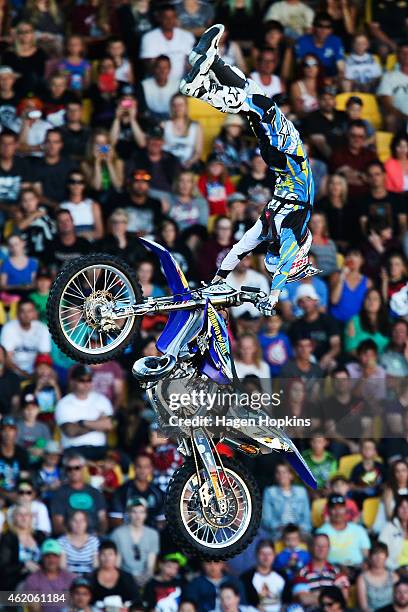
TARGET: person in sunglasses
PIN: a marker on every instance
(332, 600)
(324, 44)
(85, 212)
(283, 223)
(26, 494)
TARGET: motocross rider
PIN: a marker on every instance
(283, 222)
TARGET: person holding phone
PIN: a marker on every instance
(126, 130)
(103, 169)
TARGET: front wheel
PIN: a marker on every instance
(79, 292)
(206, 532)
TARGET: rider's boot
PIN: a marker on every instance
(207, 46)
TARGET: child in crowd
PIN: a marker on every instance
(32, 434)
(340, 485)
(294, 555)
(276, 347)
(367, 476)
(215, 185)
(321, 462)
(40, 295)
(50, 473)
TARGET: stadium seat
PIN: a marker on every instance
(370, 112)
(210, 119)
(370, 509)
(318, 506)
(382, 143)
(347, 463)
(391, 62)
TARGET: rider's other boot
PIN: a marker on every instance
(207, 46)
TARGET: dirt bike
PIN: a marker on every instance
(213, 504)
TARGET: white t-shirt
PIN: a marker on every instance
(71, 409)
(295, 18)
(395, 84)
(25, 344)
(158, 98)
(362, 68)
(275, 585)
(36, 135)
(154, 43)
(274, 87)
(41, 518)
(262, 372)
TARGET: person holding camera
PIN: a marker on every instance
(126, 131)
(102, 168)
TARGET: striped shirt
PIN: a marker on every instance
(80, 560)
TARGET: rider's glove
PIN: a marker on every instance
(267, 305)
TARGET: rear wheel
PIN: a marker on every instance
(80, 291)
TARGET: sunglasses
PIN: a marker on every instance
(76, 181)
(337, 500)
(328, 604)
(72, 468)
(136, 553)
(25, 491)
(84, 380)
(310, 63)
(142, 177)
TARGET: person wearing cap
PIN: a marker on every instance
(324, 44)
(81, 596)
(349, 542)
(283, 223)
(45, 387)
(164, 590)
(144, 212)
(322, 329)
(8, 100)
(14, 460)
(138, 545)
(50, 578)
(87, 436)
(31, 433)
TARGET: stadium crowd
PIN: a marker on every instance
(98, 147)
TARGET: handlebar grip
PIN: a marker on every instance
(251, 289)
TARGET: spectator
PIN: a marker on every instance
(204, 590)
(391, 92)
(352, 160)
(295, 16)
(108, 380)
(27, 496)
(32, 434)
(321, 462)
(118, 240)
(13, 459)
(160, 88)
(396, 167)
(9, 386)
(85, 212)
(256, 185)
(289, 303)
(354, 112)
(317, 575)
(375, 584)
(187, 207)
(304, 91)
(395, 535)
(26, 59)
(138, 545)
(285, 503)
(303, 368)
(275, 344)
(51, 172)
(332, 598)
(50, 578)
(33, 220)
(325, 125)
(340, 485)
(368, 475)
(380, 203)
(242, 19)
(126, 132)
(397, 351)
(320, 328)
(75, 134)
(170, 238)
(19, 548)
(142, 487)
(162, 166)
(103, 94)
(66, 246)
(143, 211)
(102, 168)
(215, 185)
(74, 65)
(265, 69)
(323, 247)
(322, 43)
(75, 492)
(182, 136)
(164, 590)
(55, 99)
(49, 475)
(368, 376)
(362, 71)
(17, 272)
(86, 436)
(349, 542)
(81, 595)
(348, 287)
(230, 599)
(24, 338)
(245, 275)
(230, 52)
(117, 51)
(249, 362)
(294, 555)
(371, 323)
(134, 19)
(273, 38)
(8, 100)
(145, 272)
(194, 16)
(14, 173)
(214, 249)
(40, 297)
(48, 23)
(230, 146)
(80, 549)
(34, 128)
(168, 40)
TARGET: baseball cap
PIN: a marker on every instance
(81, 371)
(236, 197)
(8, 70)
(304, 291)
(53, 448)
(234, 120)
(29, 398)
(355, 100)
(177, 557)
(328, 89)
(136, 501)
(51, 547)
(156, 132)
(141, 175)
(43, 358)
(214, 157)
(8, 421)
(336, 500)
(80, 582)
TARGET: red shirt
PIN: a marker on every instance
(216, 193)
(359, 162)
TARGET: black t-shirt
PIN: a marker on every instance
(75, 142)
(372, 478)
(53, 177)
(143, 218)
(392, 16)
(153, 495)
(132, 253)
(66, 500)
(30, 68)
(258, 191)
(59, 254)
(125, 587)
(317, 123)
(347, 417)
(8, 113)
(342, 222)
(387, 207)
(11, 467)
(11, 180)
(9, 388)
(163, 172)
(320, 331)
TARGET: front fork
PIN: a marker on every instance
(206, 454)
